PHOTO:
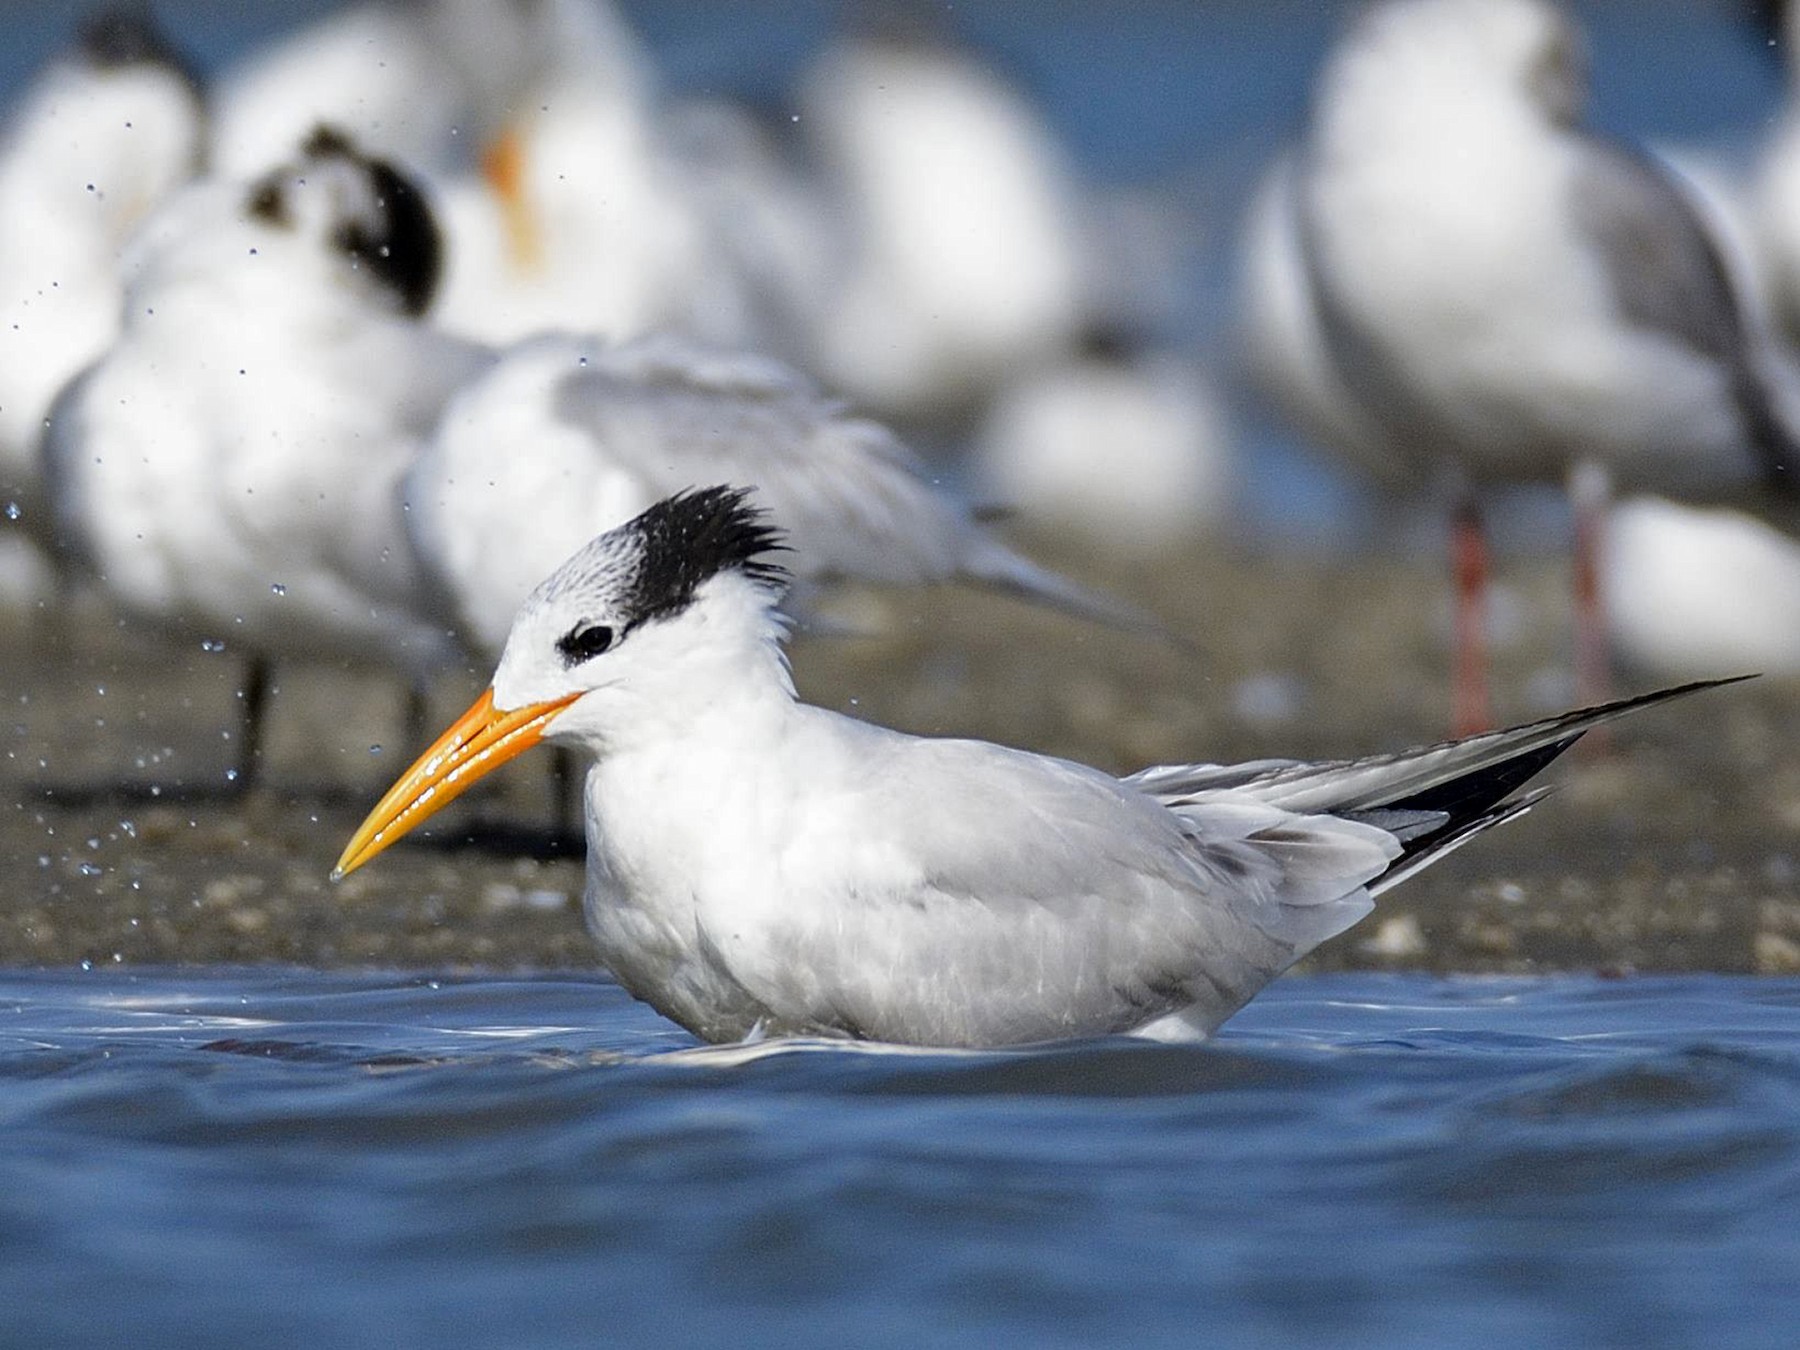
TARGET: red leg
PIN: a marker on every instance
(1469, 563)
(1589, 496)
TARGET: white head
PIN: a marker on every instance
(332, 221)
(651, 618)
(109, 129)
(649, 626)
(1524, 53)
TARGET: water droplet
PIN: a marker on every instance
(375, 749)
(129, 827)
(211, 645)
(231, 775)
(12, 511)
(278, 589)
(88, 869)
(86, 964)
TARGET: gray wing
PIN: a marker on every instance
(1668, 276)
(1031, 899)
(852, 498)
(1432, 799)
(855, 502)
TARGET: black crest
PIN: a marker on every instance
(692, 537)
(401, 245)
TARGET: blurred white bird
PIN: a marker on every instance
(536, 123)
(1777, 193)
(960, 260)
(1699, 591)
(566, 436)
(1285, 346)
(230, 467)
(1507, 296)
(757, 866)
(583, 219)
(1129, 449)
(101, 136)
(422, 82)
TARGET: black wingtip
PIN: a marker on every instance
(1474, 800)
(1605, 711)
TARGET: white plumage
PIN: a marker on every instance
(1696, 591)
(961, 258)
(566, 436)
(1131, 450)
(1504, 292)
(759, 866)
(231, 465)
(97, 140)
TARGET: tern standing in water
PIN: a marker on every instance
(758, 866)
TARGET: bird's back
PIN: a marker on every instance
(848, 880)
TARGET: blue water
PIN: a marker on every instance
(280, 1157)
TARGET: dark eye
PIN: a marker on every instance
(584, 642)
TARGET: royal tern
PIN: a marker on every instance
(535, 127)
(962, 257)
(97, 140)
(230, 467)
(1127, 447)
(567, 436)
(426, 83)
(760, 866)
(1508, 296)
(584, 218)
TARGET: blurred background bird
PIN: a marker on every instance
(1065, 262)
(108, 129)
(229, 467)
(1499, 294)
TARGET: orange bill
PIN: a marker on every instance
(477, 743)
(503, 167)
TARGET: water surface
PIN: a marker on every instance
(282, 1157)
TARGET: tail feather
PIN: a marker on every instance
(1431, 799)
(1420, 853)
(1334, 787)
